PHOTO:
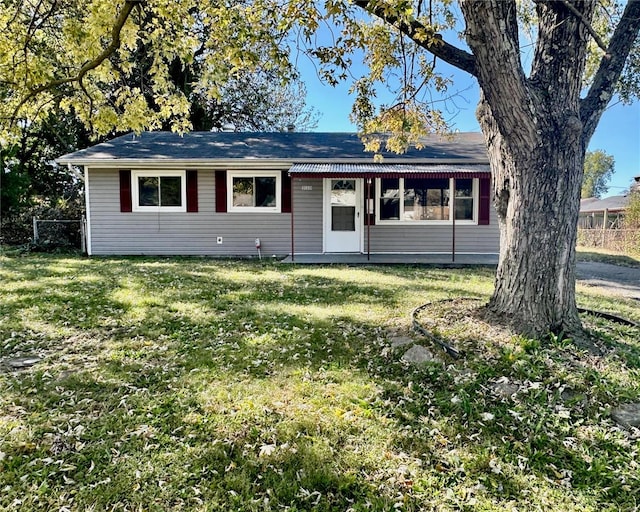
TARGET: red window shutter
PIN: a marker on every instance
(286, 192)
(221, 191)
(485, 201)
(370, 193)
(192, 191)
(125, 191)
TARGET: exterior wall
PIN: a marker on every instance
(432, 238)
(160, 233)
(307, 211)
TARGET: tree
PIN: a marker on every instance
(537, 124)
(631, 221)
(598, 168)
(632, 213)
(260, 99)
(255, 101)
(28, 169)
(31, 184)
(165, 65)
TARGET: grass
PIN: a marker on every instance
(606, 256)
(192, 384)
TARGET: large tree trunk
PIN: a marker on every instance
(537, 195)
(537, 129)
(536, 147)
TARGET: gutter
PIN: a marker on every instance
(248, 163)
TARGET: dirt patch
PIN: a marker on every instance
(468, 326)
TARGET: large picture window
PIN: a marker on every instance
(426, 200)
(159, 191)
(253, 191)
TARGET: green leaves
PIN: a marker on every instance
(598, 168)
(113, 68)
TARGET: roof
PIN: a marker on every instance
(612, 203)
(391, 170)
(292, 147)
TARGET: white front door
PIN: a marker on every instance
(342, 219)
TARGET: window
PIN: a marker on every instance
(159, 191)
(464, 206)
(389, 199)
(426, 200)
(253, 191)
(343, 205)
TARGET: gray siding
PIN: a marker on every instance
(435, 239)
(113, 232)
(307, 207)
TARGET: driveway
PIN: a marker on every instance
(613, 279)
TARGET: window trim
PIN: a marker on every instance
(475, 195)
(254, 174)
(476, 200)
(135, 192)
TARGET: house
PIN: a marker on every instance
(222, 194)
(606, 213)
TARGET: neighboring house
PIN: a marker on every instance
(604, 213)
(214, 194)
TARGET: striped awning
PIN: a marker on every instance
(390, 170)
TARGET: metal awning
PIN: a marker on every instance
(390, 170)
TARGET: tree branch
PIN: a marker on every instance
(492, 35)
(436, 45)
(587, 25)
(610, 69)
(87, 66)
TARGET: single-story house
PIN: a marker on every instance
(606, 213)
(224, 193)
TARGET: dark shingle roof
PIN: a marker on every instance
(289, 146)
(612, 203)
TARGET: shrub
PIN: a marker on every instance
(16, 226)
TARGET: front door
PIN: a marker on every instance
(342, 219)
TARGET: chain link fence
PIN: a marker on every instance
(619, 240)
(56, 234)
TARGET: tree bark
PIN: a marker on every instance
(534, 137)
(537, 130)
(537, 197)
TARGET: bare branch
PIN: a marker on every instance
(87, 66)
(610, 69)
(587, 25)
(435, 45)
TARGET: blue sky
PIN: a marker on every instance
(618, 133)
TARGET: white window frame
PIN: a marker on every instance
(135, 192)
(254, 174)
(476, 198)
(475, 195)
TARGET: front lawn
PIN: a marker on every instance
(196, 384)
